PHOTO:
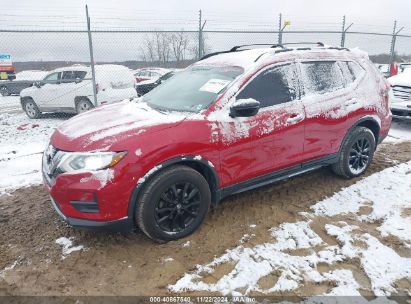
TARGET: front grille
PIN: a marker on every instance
(401, 92)
(51, 158)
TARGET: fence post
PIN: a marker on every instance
(393, 40)
(200, 36)
(344, 31)
(280, 31)
(93, 72)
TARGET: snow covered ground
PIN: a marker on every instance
(22, 141)
(296, 250)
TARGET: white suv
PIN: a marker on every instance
(70, 89)
(401, 97)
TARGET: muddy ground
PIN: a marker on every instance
(116, 264)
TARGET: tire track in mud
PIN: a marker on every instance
(131, 264)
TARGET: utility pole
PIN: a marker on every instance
(393, 40)
(90, 44)
(344, 31)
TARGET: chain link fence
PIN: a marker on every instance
(46, 50)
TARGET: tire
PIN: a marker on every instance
(4, 91)
(31, 109)
(356, 154)
(163, 213)
(83, 105)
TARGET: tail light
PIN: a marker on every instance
(97, 88)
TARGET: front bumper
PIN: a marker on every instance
(401, 109)
(121, 225)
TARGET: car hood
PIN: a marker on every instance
(107, 127)
(403, 79)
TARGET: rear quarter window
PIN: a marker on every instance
(321, 77)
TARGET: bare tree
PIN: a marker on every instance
(179, 46)
(163, 48)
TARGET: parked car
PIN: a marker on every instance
(143, 87)
(149, 73)
(230, 122)
(70, 89)
(24, 79)
(401, 97)
(14, 87)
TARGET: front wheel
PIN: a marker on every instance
(4, 91)
(31, 109)
(173, 204)
(356, 153)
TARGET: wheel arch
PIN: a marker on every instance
(368, 122)
(199, 164)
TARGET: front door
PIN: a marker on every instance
(277, 131)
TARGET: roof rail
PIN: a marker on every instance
(237, 47)
(283, 49)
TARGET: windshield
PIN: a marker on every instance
(193, 89)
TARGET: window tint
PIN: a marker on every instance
(52, 78)
(79, 74)
(321, 77)
(67, 76)
(273, 86)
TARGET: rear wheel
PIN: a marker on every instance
(173, 204)
(356, 153)
(31, 109)
(4, 91)
(83, 105)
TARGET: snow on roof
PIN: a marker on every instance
(244, 58)
(247, 58)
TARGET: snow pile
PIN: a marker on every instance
(67, 246)
(386, 192)
(22, 142)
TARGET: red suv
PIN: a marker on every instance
(231, 122)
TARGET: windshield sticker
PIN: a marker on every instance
(214, 85)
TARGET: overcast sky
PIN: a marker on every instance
(367, 15)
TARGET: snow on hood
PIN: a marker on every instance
(403, 79)
(105, 124)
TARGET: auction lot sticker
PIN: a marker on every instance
(214, 85)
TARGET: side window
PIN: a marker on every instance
(273, 86)
(347, 73)
(79, 74)
(67, 76)
(321, 77)
(355, 69)
(52, 78)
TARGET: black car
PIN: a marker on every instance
(146, 86)
(14, 87)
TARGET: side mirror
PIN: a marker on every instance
(78, 80)
(38, 84)
(244, 108)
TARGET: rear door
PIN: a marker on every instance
(70, 86)
(327, 104)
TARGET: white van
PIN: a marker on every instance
(70, 89)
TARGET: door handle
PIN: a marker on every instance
(294, 118)
(351, 102)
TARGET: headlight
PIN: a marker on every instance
(91, 161)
